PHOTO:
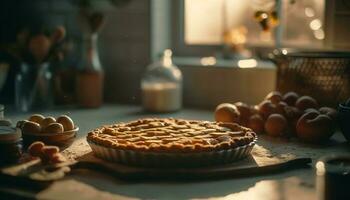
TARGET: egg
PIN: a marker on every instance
(66, 122)
(21, 123)
(29, 127)
(45, 122)
(36, 118)
(53, 128)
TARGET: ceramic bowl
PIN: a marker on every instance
(62, 140)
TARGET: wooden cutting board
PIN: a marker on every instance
(245, 167)
(36, 174)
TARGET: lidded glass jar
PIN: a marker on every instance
(10, 145)
(161, 85)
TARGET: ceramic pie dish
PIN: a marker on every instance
(172, 142)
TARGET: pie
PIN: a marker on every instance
(172, 142)
(172, 135)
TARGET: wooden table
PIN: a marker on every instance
(295, 184)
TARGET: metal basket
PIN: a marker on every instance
(322, 75)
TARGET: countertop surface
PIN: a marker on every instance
(295, 184)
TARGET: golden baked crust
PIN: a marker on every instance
(172, 135)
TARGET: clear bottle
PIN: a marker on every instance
(161, 85)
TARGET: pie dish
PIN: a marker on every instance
(171, 142)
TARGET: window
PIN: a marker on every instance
(303, 23)
(204, 23)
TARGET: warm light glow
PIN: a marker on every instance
(236, 36)
(248, 63)
(315, 24)
(207, 61)
(320, 168)
(284, 52)
(264, 16)
(309, 12)
(266, 36)
(319, 34)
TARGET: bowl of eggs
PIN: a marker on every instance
(60, 131)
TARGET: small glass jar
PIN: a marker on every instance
(161, 86)
(10, 145)
(34, 87)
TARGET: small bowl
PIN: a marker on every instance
(344, 119)
(62, 140)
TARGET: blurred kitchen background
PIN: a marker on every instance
(222, 47)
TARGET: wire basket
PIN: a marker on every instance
(322, 75)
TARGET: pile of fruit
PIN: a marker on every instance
(288, 115)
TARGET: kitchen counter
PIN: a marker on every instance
(295, 184)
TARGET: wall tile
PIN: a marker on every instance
(123, 85)
(124, 44)
(136, 6)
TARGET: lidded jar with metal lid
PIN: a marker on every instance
(10, 145)
(161, 85)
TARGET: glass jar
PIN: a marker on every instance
(10, 145)
(161, 86)
(23, 87)
(34, 87)
(42, 92)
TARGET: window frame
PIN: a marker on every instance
(178, 44)
(180, 48)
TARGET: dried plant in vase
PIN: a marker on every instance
(89, 84)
